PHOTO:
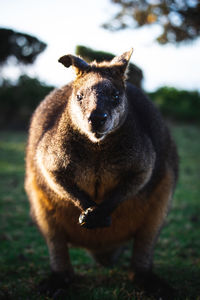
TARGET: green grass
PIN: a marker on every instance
(23, 253)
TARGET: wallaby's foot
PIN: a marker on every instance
(153, 285)
(55, 284)
(92, 218)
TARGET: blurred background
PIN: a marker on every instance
(165, 64)
(34, 34)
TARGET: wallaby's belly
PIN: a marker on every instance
(65, 217)
(128, 217)
(125, 221)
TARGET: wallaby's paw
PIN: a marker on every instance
(92, 218)
(55, 284)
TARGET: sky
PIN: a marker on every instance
(63, 24)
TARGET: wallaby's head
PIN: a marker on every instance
(98, 104)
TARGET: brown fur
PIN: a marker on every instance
(129, 174)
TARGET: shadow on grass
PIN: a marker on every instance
(101, 283)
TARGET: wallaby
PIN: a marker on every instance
(101, 168)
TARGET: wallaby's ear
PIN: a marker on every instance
(77, 63)
(121, 62)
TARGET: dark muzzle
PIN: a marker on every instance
(97, 120)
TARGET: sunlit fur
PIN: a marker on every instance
(124, 170)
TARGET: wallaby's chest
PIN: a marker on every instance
(96, 181)
(98, 172)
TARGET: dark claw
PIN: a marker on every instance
(91, 218)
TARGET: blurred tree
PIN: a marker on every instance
(135, 74)
(24, 47)
(179, 19)
(177, 104)
(18, 100)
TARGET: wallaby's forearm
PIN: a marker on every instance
(67, 189)
(79, 197)
(100, 216)
(127, 187)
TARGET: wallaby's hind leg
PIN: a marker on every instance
(62, 270)
(59, 256)
(107, 258)
(146, 237)
(142, 263)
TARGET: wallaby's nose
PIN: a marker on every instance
(97, 119)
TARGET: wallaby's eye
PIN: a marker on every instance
(79, 97)
(115, 96)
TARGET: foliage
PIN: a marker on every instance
(18, 101)
(135, 75)
(180, 20)
(24, 47)
(24, 256)
(177, 104)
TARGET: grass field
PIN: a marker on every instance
(23, 253)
